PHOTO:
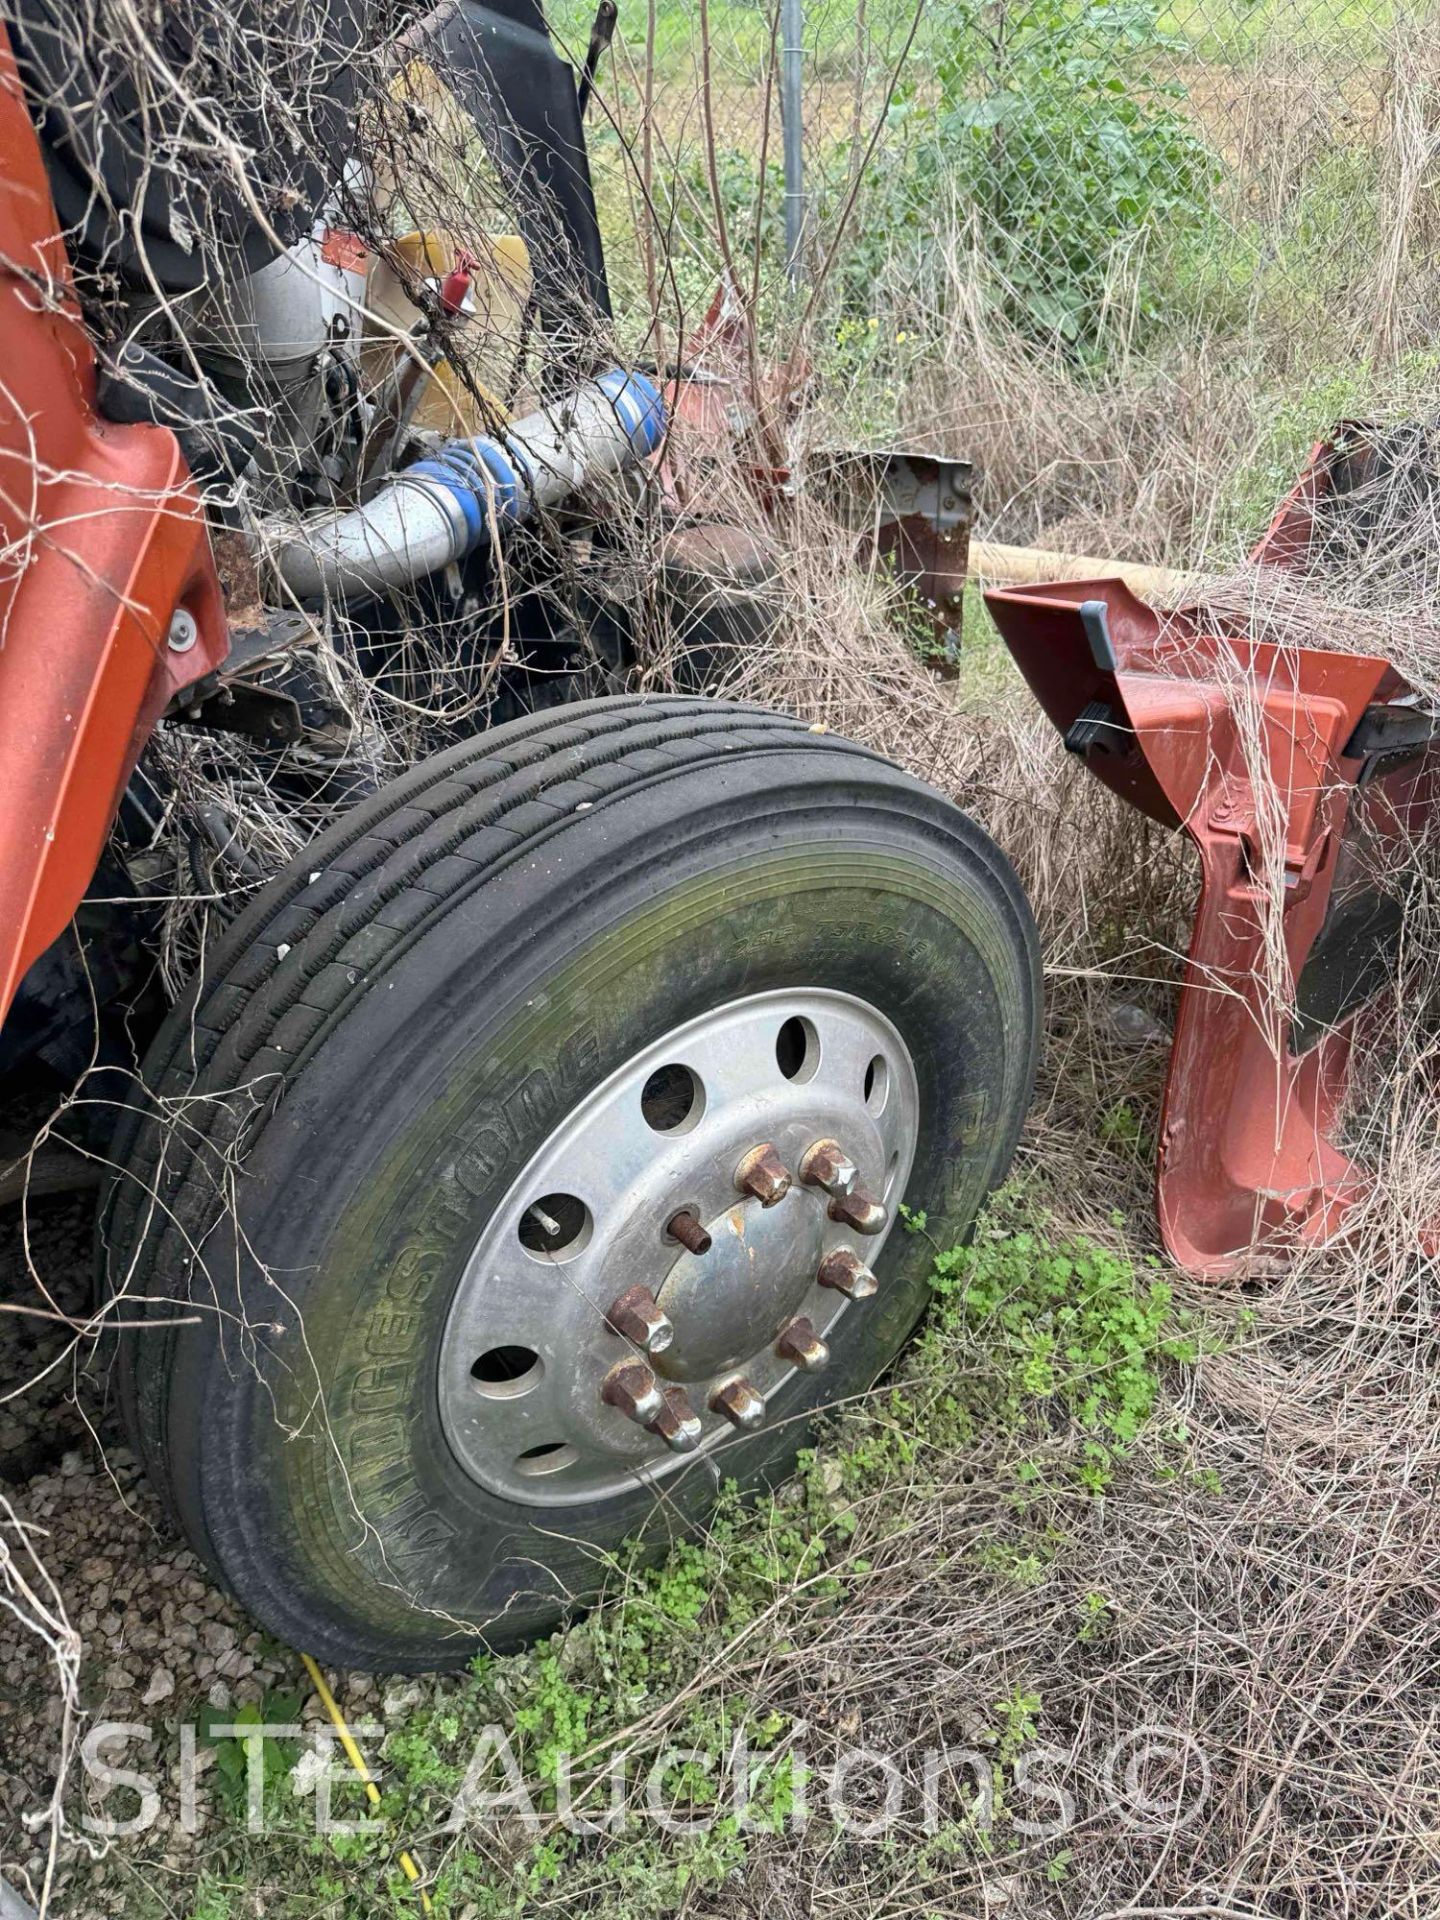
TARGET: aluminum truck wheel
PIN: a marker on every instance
(530, 1157)
(661, 1243)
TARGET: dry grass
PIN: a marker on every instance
(1281, 1608)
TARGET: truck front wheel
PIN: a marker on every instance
(534, 1149)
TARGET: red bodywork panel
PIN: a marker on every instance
(1242, 744)
(103, 538)
(1246, 1149)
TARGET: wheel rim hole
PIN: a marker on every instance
(551, 1456)
(890, 1173)
(797, 1048)
(555, 1227)
(503, 1373)
(877, 1083)
(672, 1100)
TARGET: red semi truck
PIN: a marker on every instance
(530, 1150)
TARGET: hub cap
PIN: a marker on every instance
(651, 1283)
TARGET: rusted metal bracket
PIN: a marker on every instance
(913, 511)
(236, 698)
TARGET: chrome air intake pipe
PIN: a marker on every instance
(442, 507)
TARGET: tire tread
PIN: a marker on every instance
(284, 976)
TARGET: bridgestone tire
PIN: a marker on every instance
(385, 1038)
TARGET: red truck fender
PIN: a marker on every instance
(102, 542)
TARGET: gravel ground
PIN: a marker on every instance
(158, 1642)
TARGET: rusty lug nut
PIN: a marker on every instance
(677, 1422)
(859, 1210)
(638, 1317)
(847, 1273)
(632, 1388)
(827, 1165)
(740, 1404)
(685, 1228)
(800, 1344)
(764, 1174)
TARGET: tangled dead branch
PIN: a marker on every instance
(1282, 1611)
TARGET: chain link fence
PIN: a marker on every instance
(1098, 189)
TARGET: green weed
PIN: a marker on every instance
(1068, 1326)
(1053, 1352)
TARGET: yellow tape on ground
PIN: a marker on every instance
(357, 1760)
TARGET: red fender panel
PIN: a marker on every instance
(101, 539)
(1242, 744)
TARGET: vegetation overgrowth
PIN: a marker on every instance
(1133, 261)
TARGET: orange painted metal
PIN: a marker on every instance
(1286, 540)
(102, 538)
(1240, 743)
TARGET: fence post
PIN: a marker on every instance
(792, 121)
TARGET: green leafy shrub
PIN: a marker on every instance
(1046, 121)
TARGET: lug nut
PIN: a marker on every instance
(847, 1273)
(859, 1210)
(685, 1228)
(827, 1165)
(740, 1404)
(800, 1344)
(638, 1317)
(764, 1174)
(677, 1422)
(632, 1389)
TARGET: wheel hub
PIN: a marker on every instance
(679, 1248)
(728, 1302)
